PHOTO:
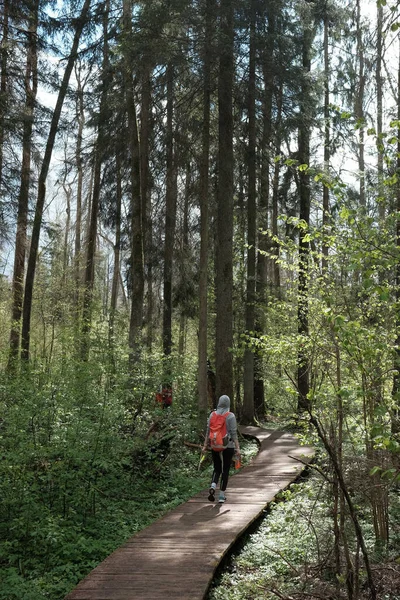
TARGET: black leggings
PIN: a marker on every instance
(222, 462)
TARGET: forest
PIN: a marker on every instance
(199, 197)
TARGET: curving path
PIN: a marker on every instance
(179, 554)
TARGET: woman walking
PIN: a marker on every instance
(222, 457)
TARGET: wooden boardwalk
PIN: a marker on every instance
(179, 554)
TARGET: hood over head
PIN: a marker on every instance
(224, 403)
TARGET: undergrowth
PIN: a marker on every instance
(79, 477)
(290, 554)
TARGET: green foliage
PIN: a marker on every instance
(291, 551)
(88, 459)
(281, 551)
(77, 475)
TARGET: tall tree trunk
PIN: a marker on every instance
(184, 256)
(396, 377)
(68, 194)
(303, 382)
(80, 118)
(264, 203)
(359, 105)
(325, 190)
(145, 128)
(117, 248)
(3, 80)
(30, 85)
(136, 319)
(202, 378)
(248, 383)
(170, 216)
(37, 223)
(275, 197)
(264, 200)
(94, 213)
(224, 252)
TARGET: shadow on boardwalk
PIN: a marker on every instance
(179, 554)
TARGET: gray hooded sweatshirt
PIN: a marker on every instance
(224, 404)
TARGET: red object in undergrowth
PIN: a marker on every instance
(164, 397)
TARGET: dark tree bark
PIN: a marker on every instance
(224, 252)
(170, 215)
(325, 191)
(396, 378)
(379, 109)
(184, 254)
(202, 378)
(136, 319)
(264, 200)
(80, 118)
(68, 193)
(275, 197)
(359, 104)
(37, 223)
(3, 80)
(145, 181)
(30, 86)
(117, 247)
(303, 381)
(94, 213)
(248, 387)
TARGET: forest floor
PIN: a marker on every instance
(287, 555)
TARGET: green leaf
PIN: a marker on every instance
(375, 470)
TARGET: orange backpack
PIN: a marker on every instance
(218, 438)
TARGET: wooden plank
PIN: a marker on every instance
(179, 553)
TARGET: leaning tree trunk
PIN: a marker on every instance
(248, 387)
(31, 86)
(37, 223)
(224, 251)
(348, 499)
